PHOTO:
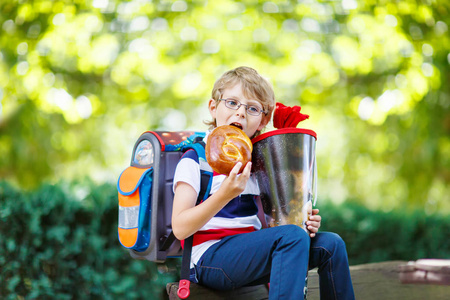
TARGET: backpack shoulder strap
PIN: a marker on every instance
(206, 171)
(205, 183)
(205, 187)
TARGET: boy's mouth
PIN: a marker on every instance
(237, 125)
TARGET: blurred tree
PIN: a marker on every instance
(80, 80)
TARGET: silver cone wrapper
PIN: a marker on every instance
(285, 167)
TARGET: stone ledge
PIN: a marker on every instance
(370, 281)
(200, 292)
(381, 281)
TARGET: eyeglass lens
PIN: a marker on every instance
(250, 109)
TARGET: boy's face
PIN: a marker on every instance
(227, 116)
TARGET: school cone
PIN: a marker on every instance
(285, 167)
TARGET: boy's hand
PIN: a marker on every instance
(234, 185)
(313, 223)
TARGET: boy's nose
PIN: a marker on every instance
(241, 111)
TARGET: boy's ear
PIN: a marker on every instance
(212, 106)
(264, 121)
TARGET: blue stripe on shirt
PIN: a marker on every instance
(242, 206)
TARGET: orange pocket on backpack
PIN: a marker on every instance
(134, 190)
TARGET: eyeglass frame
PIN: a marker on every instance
(246, 106)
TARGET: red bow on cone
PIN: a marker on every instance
(287, 116)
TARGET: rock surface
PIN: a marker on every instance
(370, 281)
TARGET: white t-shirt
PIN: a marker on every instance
(238, 216)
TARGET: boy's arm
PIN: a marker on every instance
(188, 218)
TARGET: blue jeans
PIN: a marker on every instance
(279, 255)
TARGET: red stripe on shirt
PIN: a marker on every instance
(217, 234)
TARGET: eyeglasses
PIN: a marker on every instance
(234, 104)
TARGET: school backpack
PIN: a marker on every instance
(146, 196)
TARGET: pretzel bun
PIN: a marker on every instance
(226, 146)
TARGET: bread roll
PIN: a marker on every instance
(226, 146)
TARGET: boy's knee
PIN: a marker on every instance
(334, 242)
(295, 233)
(338, 240)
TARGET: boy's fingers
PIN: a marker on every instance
(315, 218)
(247, 169)
(312, 229)
(245, 175)
(312, 224)
(236, 169)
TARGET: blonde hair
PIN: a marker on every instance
(254, 86)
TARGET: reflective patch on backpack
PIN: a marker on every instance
(128, 217)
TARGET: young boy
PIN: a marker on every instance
(230, 247)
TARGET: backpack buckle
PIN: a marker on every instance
(183, 289)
